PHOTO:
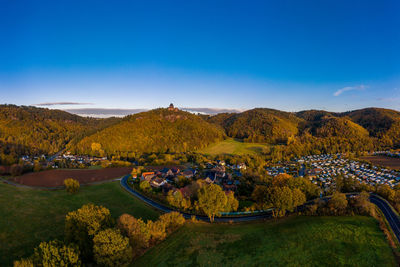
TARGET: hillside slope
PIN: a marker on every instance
(259, 125)
(381, 123)
(31, 130)
(159, 130)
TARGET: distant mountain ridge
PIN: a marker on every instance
(31, 130)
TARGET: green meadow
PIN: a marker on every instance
(234, 147)
(295, 241)
(29, 216)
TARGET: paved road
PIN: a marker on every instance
(51, 158)
(382, 205)
(163, 208)
(390, 215)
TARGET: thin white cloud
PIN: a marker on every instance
(349, 88)
(61, 104)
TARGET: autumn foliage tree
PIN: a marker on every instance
(83, 224)
(172, 221)
(56, 253)
(71, 185)
(137, 232)
(110, 248)
(212, 201)
(176, 199)
(338, 203)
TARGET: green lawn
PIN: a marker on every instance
(233, 146)
(29, 216)
(296, 241)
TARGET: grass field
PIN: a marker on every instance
(296, 241)
(29, 216)
(233, 146)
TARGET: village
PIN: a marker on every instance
(181, 178)
(319, 169)
(322, 170)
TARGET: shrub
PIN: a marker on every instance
(71, 185)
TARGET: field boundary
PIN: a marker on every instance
(5, 181)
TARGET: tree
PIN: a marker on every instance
(298, 197)
(338, 203)
(261, 196)
(16, 170)
(386, 192)
(281, 179)
(232, 203)
(23, 263)
(83, 224)
(56, 253)
(281, 199)
(145, 186)
(71, 185)
(212, 200)
(157, 231)
(363, 205)
(37, 166)
(176, 199)
(172, 221)
(136, 230)
(110, 248)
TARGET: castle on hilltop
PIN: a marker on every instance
(172, 108)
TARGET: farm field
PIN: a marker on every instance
(295, 241)
(234, 147)
(54, 178)
(388, 162)
(29, 216)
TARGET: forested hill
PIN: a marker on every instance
(159, 130)
(381, 123)
(360, 127)
(259, 125)
(31, 130)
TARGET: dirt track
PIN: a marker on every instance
(53, 178)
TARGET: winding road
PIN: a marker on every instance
(384, 206)
(163, 208)
(390, 215)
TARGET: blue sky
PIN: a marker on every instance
(290, 55)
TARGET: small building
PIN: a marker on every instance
(157, 182)
(147, 176)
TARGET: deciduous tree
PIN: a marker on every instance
(338, 203)
(56, 253)
(110, 248)
(212, 200)
(71, 185)
(83, 224)
(136, 230)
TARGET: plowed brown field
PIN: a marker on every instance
(53, 178)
